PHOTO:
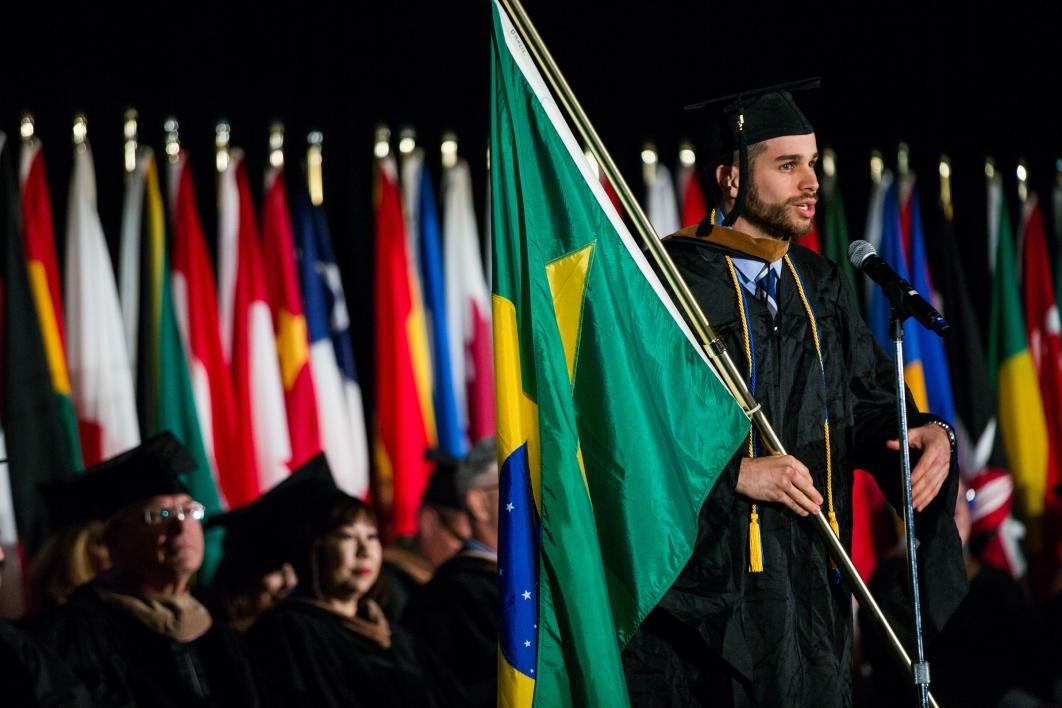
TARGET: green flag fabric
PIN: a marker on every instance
(835, 239)
(33, 425)
(612, 427)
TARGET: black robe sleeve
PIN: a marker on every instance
(30, 675)
(942, 575)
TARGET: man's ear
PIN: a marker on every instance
(726, 176)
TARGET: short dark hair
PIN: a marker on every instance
(346, 510)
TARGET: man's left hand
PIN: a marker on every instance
(932, 469)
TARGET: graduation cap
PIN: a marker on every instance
(154, 467)
(442, 487)
(749, 117)
(264, 534)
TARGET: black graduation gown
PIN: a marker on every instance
(456, 614)
(304, 655)
(124, 663)
(30, 675)
(725, 636)
(403, 572)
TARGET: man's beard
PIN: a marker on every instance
(773, 219)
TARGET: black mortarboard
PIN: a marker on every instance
(259, 537)
(747, 118)
(154, 467)
(442, 487)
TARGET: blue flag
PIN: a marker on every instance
(447, 421)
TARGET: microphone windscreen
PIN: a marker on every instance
(859, 251)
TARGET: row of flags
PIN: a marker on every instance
(601, 389)
(251, 365)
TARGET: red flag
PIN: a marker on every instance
(694, 208)
(289, 320)
(1045, 346)
(873, 527)
(402, 430)
(196, 305)
(249, 322)
(811, 240)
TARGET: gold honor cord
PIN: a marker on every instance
(695, 318)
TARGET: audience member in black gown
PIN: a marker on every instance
(254, 573)
(135, 635)
(329, 643)
(32, 676)
(990, 653)
(442, 530)
(456, 613)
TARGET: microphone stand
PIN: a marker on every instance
(919, 667)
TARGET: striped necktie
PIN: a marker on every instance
(767, 290)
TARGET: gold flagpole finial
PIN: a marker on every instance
(687, 155)
(877, 166)
(650, 158)
(276, 144)
(315, 167)
(80, 130)
(945, 186)
(222, 135)
(382, 146)
(903, 161)
(1023, 181)
(448, 149)
(170, 127)
(407, 141)
(27, 128)
(129, 132)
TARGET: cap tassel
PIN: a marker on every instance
(743, 171)
(755, 543)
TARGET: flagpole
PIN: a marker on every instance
(713, 346)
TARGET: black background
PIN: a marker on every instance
(968, 80)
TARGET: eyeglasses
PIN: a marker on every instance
(155, 515)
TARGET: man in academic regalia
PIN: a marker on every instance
(442, 531)
(136, 636)
(456, 613)
(760, 616)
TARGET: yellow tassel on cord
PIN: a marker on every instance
(834, 525)
(755, 546)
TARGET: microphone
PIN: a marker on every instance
(904, 299)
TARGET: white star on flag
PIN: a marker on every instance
(509, 506)
(527, 642)
(527, 594)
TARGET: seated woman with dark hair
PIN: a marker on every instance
(329, 643)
